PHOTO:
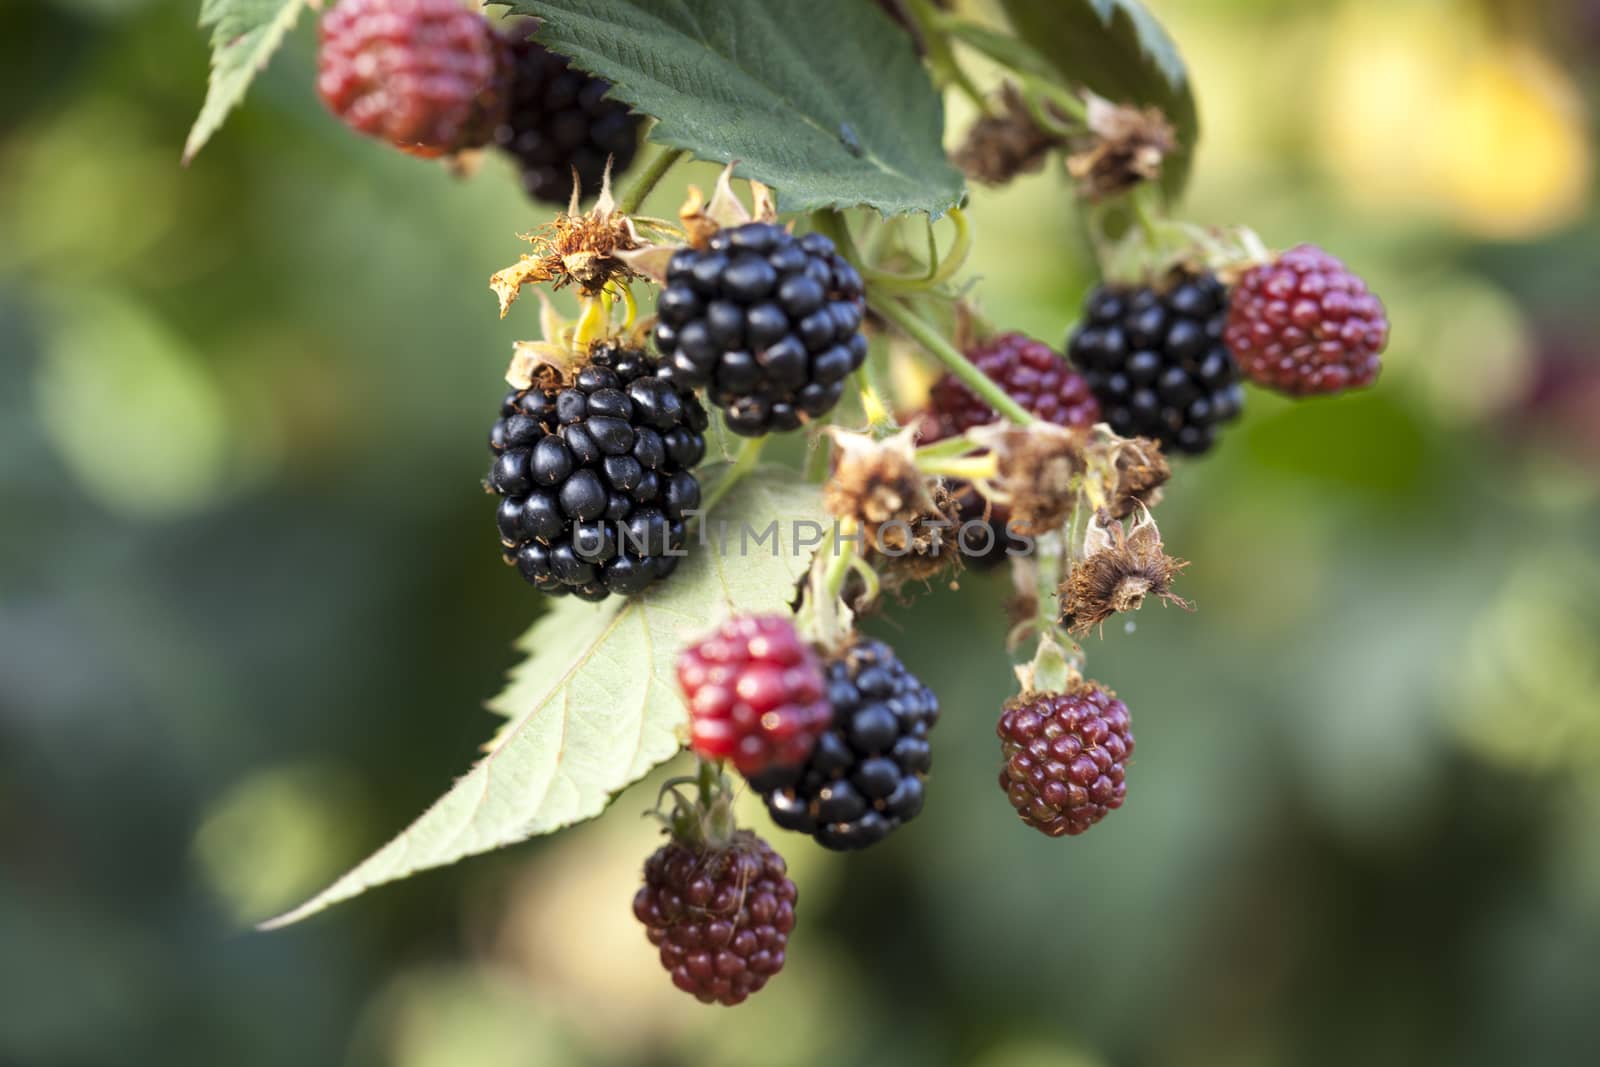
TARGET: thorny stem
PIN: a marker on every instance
(648, 177)
(936, 346)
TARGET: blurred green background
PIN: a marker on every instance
(250, 604)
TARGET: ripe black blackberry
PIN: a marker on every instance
(720, 916)
(594, 475)
(768, 323)
(865, 775)
(1156, 361)
(558, 121)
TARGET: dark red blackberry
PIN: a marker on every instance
(755, 693)
(1303, 325)
(1065, 755)
(559, 121)
(865, 775)
(421, 74)
(1155, 360)
(1031, 373)
(768, 323)
(721, 917)
(594, 476)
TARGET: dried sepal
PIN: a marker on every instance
(1119, 571)
(586, 249)
(1134, 471)
(1125, 146)
(998, 147)
(1040, 472)
(906, 518)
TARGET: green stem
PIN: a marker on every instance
(936, 346)
(942, 57)
(648, 177)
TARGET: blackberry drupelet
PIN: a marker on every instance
(421, 74)
(866, 774)
(1155, 360)
(594, 475)
(756, 694)
(768, 323)
(1065, 756)
(721, 917)
(559, 122)
(1305, 325)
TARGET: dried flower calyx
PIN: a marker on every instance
(1126, 145)
(1120, 570)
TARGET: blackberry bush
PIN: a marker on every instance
(721, 917)
(769, 324)
(595, 476)
(1155, 359)
(421, 74)
(866, 774)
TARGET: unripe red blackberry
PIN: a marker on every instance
(421, 74)
(721, 917)
(1030, 372)
(1154, 358)
(595, 475)
(1304, 324)
(769, 324)
(1065, 756)
(865, 776)
(756, 694)
(559, 121)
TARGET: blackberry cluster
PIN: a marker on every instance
(558, 121)
(768, 323)
(1065, 756)
(1156, 361)
(1304, 324)
(721, 917)
(595, 476)
(865, 775)
(755, 693)
(421, 74)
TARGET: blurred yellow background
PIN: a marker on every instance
(251, 602)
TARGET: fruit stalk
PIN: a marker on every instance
(936, 346)
(648, 178)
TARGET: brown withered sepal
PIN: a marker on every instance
(1001, 146)
(1125, 146)
(1140, 470)
(1121, 570)
(1040, 470)
(908, 520)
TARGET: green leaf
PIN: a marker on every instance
(244, 35)
(825, 100)
(1117, 49)
(595, 705)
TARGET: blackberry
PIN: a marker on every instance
(768, 323)
(421, 74)
(721, 917)
(865, 775)
(1030, 372)
(1155, 360)
(1065, 756)
(594, 475)
(559, 121)
(755, 694)
(1304, 324)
